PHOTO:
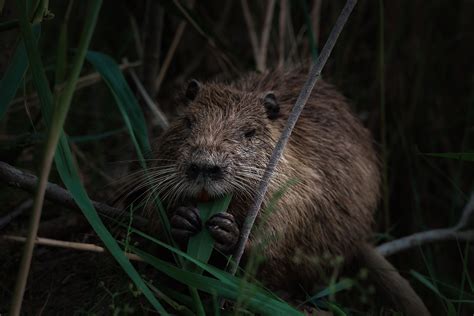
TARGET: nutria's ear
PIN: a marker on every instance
(192, 90)
(271, 105)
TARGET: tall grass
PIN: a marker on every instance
(404, 125)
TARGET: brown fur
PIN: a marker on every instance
(329, 211)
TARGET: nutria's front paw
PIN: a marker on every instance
(225, 231)
(185, 223)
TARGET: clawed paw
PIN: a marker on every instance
(225, 231)
(185, 223)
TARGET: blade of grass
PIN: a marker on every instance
(332, 289)
(128, 105)
(14, 74)
(259, 301)
(131, 113)
(54, 133)
(64, 160)
(200, 246)
(450, 309)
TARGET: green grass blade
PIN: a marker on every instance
(200, 246)
(456, 156)
(131, 113)
(64, 160)
(125, 99)
(258, 301)
(14, 74)
(332, 289)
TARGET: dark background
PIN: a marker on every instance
(425, 66)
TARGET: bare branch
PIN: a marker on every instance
(423, 238)
(160, 117)
(251, 29)
(435, 235)
(169, 55)
(282, 32)
(267, 26)
(28, 182)
(313, 76)
(68, 244)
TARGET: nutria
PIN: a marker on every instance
(222, 143)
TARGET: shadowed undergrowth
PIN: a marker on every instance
(422, 120)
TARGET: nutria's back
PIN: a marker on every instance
(230, 130)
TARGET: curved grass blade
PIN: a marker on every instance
(14, 74)
(259, 301)
(125, 99)
(131, 113)
(200, 246)
(64, 159)
(331, 289)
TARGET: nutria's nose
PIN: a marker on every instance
(206, 171)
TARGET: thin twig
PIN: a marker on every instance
(170, 53)
(82, 82)
(251, 29)
(153, 35)
(28, 182)
(5, 220)
(267, 27)
(282, 32)
(68, 244)
(313, 76)
(259, 51)
(453, 233)
(160, 117)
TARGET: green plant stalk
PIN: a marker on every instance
(54, 133)
(200, 246)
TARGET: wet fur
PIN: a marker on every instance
(331, 155)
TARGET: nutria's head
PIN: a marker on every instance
(220, 144)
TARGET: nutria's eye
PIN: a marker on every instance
(250, 133)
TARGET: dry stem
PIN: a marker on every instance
(456, 232)
(68, 244)
(26, 181)
(160, 117)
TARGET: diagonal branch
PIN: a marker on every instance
(419, 239)
(313, 76)
(28, 182)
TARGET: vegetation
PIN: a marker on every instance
(87, 84)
